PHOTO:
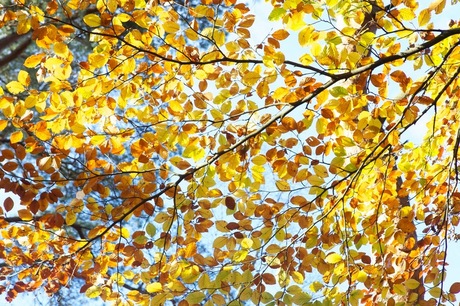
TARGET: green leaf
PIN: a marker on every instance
(338, 92)
(276, 14)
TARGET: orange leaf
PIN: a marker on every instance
(406, 226)
(25, 215)
(280, 34)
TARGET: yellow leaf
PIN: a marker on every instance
(176, 286)
(247, 243)
(240, 255)
(15, 87)
(296, 22)
(305, 35)
(191, 34)
(154, 287)
(16, 137)
(3, 124)
(92, 20)
(111, 5)
(196, 153)
(93, 292)
(70, 218)
(97, 139)
(283, 185)
(315, 180)
(437, 5)
(424, 17)
(406, 14)
(23, 26)
(171, 27)
(250, 78)
(362, 276)
(24, 78)
(333, 258)
(61, 49)
(190, 274)
(259, 160)
(125, 232)
(297, 277)
(175, 106)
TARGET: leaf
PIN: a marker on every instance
(25, 215)
(70, 218)
(437, 6)
(406, 226)
(195, 297)
(276, 14)
(24, 78)
(150, 229)
(8, 204)
(246, 243)
(268, 278)
(154, 287)
(299, 200)
(406, 14)
(305, 35)
(92, 20)
(315, 180)
(412, 284)
(280, 34)
(435, 292)
(239, 256)
(338, 92)
(93, 292)
(171, 27)
(230, 203)
(16, 137)
(455, 288)
(283, 185)
(424, 17)
(15, 87)
(333, 258)
(297, 277)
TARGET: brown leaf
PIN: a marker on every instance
(230, 203)
(406, 226)
(8, 204)
(268, 278)
(455, 288)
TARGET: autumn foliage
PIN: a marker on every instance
(160, 154)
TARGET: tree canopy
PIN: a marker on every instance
(162, 155)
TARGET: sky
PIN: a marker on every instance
(260, 30)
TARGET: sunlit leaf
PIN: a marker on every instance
(93, 292)
(92, 20)
(333, 258)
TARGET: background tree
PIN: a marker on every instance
(175, 133)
